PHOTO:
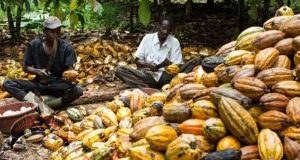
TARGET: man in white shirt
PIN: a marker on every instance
(156, 52)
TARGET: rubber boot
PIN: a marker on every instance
(54, 103)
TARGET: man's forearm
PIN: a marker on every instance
(166, 62)
(30, 70)
(141, 63)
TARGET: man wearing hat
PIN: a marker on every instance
(47, 58)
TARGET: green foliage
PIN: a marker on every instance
(253, 5)
(2, 16)
(144, 12)
(73, 19)
(91, 17)
(13, 4)
(113, 16)
(295, 5)
(73, 10)
(14, 9)
(91, 14)
(73, 5)
(34, 19)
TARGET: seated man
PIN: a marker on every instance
(156, 52)
(47, 58)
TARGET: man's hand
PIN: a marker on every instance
(145, 66)
(42, 72)
(35, 71)
(165, 63)
(151, 67)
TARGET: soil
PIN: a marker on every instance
(33, 151)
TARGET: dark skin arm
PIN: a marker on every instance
(166, 62)
(151, 67)
(35, 71)
(40, 72)
(142, 64)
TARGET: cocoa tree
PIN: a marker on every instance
(73, 11)
(14, 10)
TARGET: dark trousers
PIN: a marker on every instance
(140, 78)
(59, 88)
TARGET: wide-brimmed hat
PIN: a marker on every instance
(52, 22)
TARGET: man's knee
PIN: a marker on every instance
(7, 84)
(72, 94)
(77, 91)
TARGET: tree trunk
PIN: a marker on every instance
(164, 7)
(131, 16)
(157, 12)
(227, 2)
(18, 21)
(280, 3)
(288, 3)
(265, 16)
(210, 4)
(241, 15)
(10, 21)
(188, 9)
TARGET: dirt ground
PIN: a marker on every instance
(90, 100)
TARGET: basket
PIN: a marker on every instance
(7, 121)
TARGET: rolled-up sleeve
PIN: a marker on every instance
(140, 52)
(70, 56)
(176, 55)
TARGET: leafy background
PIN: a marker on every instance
(139, 16)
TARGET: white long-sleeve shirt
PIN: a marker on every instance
(150, 51)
